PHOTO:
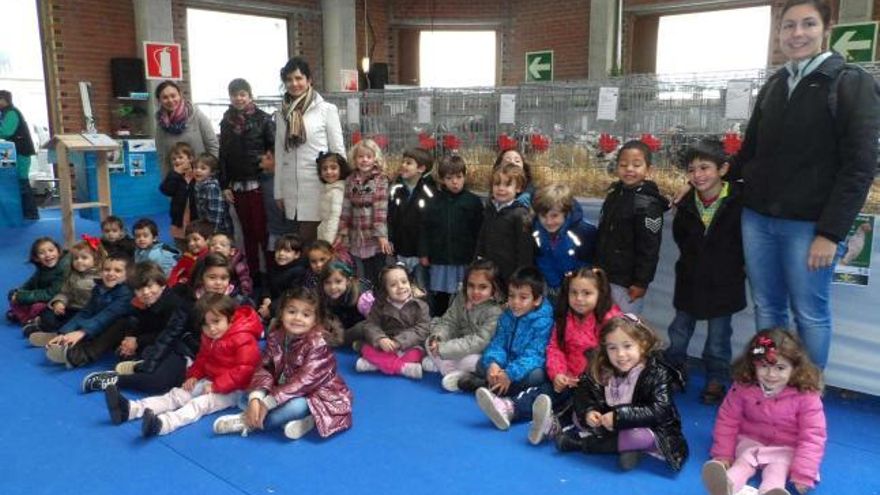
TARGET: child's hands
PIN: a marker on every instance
(71, 338)
(388, 345)
(433, 346)
(128, 347)
(255, 414)
(58, 308)
(492, 371)
(594, 419)
(264, 311)
(189, 384)
(607, 421)
(230, 198)
(384, 246)
(563, 381)
(636, 292)
(502, 383)
(802, 489)
(425, 261)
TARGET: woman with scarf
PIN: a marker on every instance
(178, 120)
(247, 139)
(305, 125)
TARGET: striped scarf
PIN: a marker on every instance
(293, 110)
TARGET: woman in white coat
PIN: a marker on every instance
(305, 126)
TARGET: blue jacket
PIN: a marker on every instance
(104, 307)
(570, 248)
(519, 345)
(160, 253)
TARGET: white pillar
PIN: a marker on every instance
(152, 22)
(603, 26)
(856, 11)
(340, 47)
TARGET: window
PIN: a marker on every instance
(454, 59)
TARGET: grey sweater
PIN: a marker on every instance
(462, 332)
(199, 134)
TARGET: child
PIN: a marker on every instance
(504, 236)
(710, 273)
(227, 358)
(363, 228)
(29, 300)
(179, 186)
(298, 386)
(409, 196)
(210, 202)
(90, 333)
(215, 274)
(287, 272)
(221, 243)
(458, 337)
(514, 359)
(148, 247)
(396, 328)
(319, 253)
(565, 241)
(332, 170)
(348, 300)
(197, 235)
(625, 399)
(450, 226)
(86, 256)
(514, 157)
(631, 228)
(772, 419)
(115, 238)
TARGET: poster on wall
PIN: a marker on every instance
(115, 160)
(137, 164)
(8, 155)
(349, 80)
(854, 268)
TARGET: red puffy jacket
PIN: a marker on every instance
(230, 361)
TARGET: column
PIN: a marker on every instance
(340, 47)
(152, 22)
(603, 28)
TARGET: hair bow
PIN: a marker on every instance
(764, 350)
(93, 242)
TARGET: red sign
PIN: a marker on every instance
(162, 61)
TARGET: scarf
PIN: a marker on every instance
(236, 118)
(292, 110)
(175, 122)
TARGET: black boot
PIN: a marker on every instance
(471, 382)
(569, 441)
(606, 443)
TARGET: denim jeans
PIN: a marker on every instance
(716, 351)
(776, 252)
(297, 408)
(535, 378)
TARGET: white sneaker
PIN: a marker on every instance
(450, 381)
(498, 409)
(715, 479)
(412, 370)
(297, 428)
(364, 366)
(127, 367)
(230, 423)
(429, 365)
(542, 418)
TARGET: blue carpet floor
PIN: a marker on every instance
(408, 437)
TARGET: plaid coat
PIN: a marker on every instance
(364, 217)
(212, 206)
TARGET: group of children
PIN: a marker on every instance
(535, 316)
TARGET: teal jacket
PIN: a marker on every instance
(44, 283)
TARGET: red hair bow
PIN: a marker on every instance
(93, 242)
(764, 350)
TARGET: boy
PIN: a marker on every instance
(148, 247)
(90, 333)
(221, 243)
(407, 199)
(115, 238)
(210, 202)
(710, 274)
(514, 359)
(631, 228)
(289, 271)
(565, 241)
(504, 236)
(197, 234)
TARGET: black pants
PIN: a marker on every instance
(90, 348)
(50, 322)
(169, 373)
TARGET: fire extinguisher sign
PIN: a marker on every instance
(162, 60)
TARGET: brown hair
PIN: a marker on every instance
(98, 253)
(146, 272)
(821, 7)
(214, 303)
(211, 161)
(512, 172)
(553, 196)
(636, 329)
(603, 300)
(451, 165)
(308, 296)
(527, 167)
(805, 376)
(180, 147)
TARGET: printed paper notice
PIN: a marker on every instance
(737, 100)
(424, 111)
(608, 97)
(353, 111)
(854, 268)
(507, 113)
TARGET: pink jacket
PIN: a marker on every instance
(791, 419)
(580, 336)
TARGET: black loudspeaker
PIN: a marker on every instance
(128, 76)
(378, 75)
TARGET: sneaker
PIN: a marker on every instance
(715, 479)
(297, 428)
(127, 367)
(41, 339)
(117, 405)
(450, 381)
(629, 460)
(99, 380)
(230, 423)
(542, 419)
(364, 366)
(151, 424)
(412, 370)
(713, 394)
(57, 354)
(429, 365)
(499, 410)
(32, 327)
(470, 382)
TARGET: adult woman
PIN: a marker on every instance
(14, 128)
(807, 168)
(178, 120)
(305, 125)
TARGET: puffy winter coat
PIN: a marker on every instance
(405, 210)
(150, 322)
(408, 326)
(505, 238)
(450, 226)
(44, 283)
(104, 307)
(462, 332)
(230, 361)
(240, 154)
(160, 253)
(519, 344)
(331, 209)
(76, 289)
(568, 249)
(581, 335)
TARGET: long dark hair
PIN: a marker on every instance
(491, 271)
(603, 302)
(35, 246)
(351, 296)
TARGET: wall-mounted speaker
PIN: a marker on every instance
(378, 75)
(128, 77)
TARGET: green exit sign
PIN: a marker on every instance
(539, 66)
(856, 41)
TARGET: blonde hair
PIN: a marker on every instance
(553, 196)
(510, 172)
(370, 146)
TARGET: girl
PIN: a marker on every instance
(515, 157)
(222, 243)
(214, 274)
(288, 271)
(348, 301)
(332, 170)
(458, 337)
(27, 301)
(86, 256)
(625, 399)
(179, 186)
(772, 419)
(319, 253)
(298, 386)
(363, 228)
(227, 358)
(396, 328)
(211, 204)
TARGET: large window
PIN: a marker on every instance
(224, 46)
(450, 59)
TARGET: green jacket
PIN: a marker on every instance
(14, 128)
(463, 332)
(44, 284)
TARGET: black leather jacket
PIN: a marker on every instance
(240, 153)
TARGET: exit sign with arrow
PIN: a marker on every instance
(539, 66)
(856, 41)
